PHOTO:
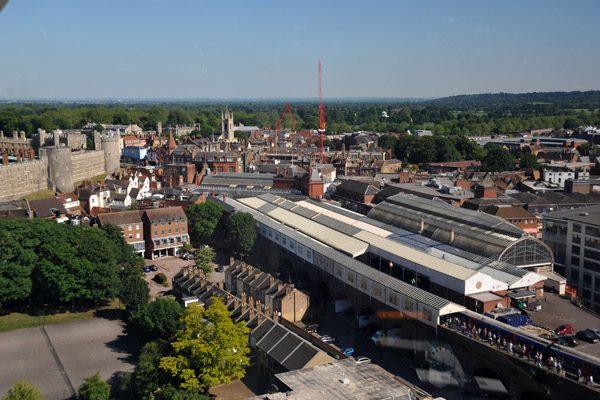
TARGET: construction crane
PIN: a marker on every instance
(321, 115)
(286, 109)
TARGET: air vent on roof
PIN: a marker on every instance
(345, 381)
(584, 214)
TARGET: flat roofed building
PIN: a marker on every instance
(131, 226)
(344, 380)
(574, 235)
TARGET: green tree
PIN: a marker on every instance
(497, 159)
(387, 142)
(204, 258)
(209, 350)
(171, 393)
(241, 232)
(23, 390)
(529, 161)
(186, 248)
(203, 219)
(134, 291)
(147, 378)
(158, 320)
(94, 388)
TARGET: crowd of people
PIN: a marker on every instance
(511, 344)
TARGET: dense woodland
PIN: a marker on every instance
(468, 115)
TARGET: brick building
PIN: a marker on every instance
(131, 226)
(165, 231)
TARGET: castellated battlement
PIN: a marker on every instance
(20, 179)
(63, 159)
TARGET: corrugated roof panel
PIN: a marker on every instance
(410, 254)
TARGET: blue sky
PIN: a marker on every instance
(268, 48)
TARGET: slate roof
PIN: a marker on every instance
(43, 207)
(359, 187)
(120, 218)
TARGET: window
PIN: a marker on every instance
(162, 222)
(363, 283)
(183, 229)
(162, 232)
(593, 254)
(377, 290)
(131, 236)
(231, 169)
(590, 230)
(427, 314)
(170, 231)
(284, 241)
(350, 277)
(155, 223)
(577, 228)
(137, 227)
(137, 235)
(338, 270)
(169, 221)
(300, 248)
(182, 219)
(574, 260)
(574, 275)
(308, 254)
(393, 298)
(155, 233)
(408, 304)
(576, 238)
(176, 230)
(575, 250)
(130, 227)
(591, 265)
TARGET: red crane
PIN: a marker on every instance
(286, 109)
(321, 115)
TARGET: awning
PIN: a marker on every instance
(520, 294)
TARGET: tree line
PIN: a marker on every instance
(468, 115)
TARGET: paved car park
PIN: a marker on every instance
(557, 311)
(56, 358)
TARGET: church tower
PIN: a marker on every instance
(227, 126)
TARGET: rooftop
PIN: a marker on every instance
(585, 215)
(345, 380)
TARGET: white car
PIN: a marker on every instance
(363, 360)
(327, 339)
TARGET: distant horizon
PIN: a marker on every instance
(265, 99)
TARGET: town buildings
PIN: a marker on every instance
(131, 226)
(574, 237)
(165, 231)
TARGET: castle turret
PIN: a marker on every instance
(60, 167)
(112, 154)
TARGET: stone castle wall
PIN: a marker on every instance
(87, 164)
(18, 180)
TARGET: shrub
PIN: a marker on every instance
(161, 278)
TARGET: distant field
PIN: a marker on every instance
(15, 321)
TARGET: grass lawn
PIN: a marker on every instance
(42, 194)
(15, 321)
(97, 178)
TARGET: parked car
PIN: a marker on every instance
(348, 351)
(146, 268)
(328, 339)
(587, 336)
(594, 331)
(188, 256)
(154, 267)
(363, 360)
(564, 329)
(560, 340)
(572, 341)
(311, 328)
